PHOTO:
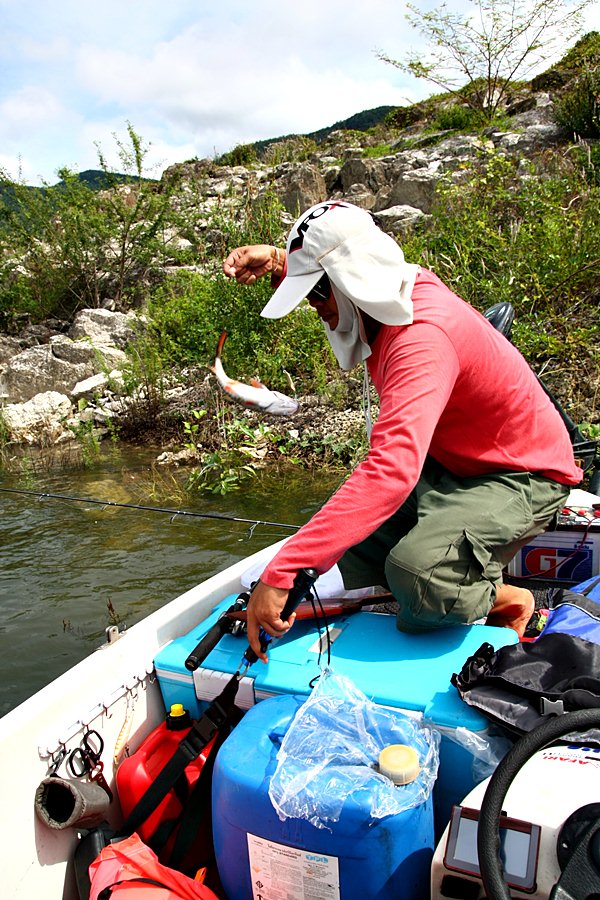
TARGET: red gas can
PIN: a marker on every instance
(137, 772)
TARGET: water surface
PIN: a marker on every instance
(68, 568)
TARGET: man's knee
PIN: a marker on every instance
(412, 590)
(444, 587)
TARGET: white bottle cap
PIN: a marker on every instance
(400, 763)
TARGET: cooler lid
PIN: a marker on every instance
(405, 671)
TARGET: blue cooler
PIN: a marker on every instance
(404, 671)
(357, 857)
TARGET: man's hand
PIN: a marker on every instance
(246, 264)
(264, 611)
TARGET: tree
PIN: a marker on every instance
(138, 216)
(68, 246)
(486, 49)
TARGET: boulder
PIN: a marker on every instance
(9, 347)
(57, 366)
(399, 219)
(371, 174)
(39, 421)
(360, 195)
(90, 387)
(37, 370)
(103, 327)
(415, 188)
(533, 137)
(299, 186)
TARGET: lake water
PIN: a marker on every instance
(68, 568)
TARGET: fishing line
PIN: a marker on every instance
(42, 495)
(312, 596)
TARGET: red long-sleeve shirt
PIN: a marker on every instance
(451, 386)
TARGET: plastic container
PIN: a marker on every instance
(137, 772)
(357, 857)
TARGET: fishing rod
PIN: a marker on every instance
(41, 495)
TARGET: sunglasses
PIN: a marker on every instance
(321, 291)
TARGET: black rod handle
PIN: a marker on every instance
(208, 643)
(223, 625)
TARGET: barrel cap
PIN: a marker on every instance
(400, 763)
(178, 718)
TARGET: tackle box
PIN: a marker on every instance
(408, 672)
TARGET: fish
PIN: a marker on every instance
(255, 396)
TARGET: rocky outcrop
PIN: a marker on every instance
(58, 365)
(299, 186)
(40, 421)
(104, 328)
(50, 389)
(9, 347)
(399, 187)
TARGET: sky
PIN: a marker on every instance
(193, 78)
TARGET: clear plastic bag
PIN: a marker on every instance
(330, 751)
(486, 750)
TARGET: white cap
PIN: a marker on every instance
(309, 240)
(363, 263)
(400, 763)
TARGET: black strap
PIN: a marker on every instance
(106, 892)
(218, 714)
(166, 828)
(196, 808)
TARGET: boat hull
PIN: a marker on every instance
(114, 691)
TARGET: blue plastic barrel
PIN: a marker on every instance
(358, 857)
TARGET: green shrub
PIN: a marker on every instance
(68, 246)
(294, 149)
(18, 302)
(458, 117)
(579, 108)
(406, 116)
(514, 232)
(377, 152)
(587, 156)
(240, 155)
(190, 311)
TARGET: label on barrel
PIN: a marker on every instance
(279, 872)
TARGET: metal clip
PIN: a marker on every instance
(56, 762)
(242, 669)
(112, 634)
(551, 707)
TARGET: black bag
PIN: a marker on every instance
(519, 685)
(89, 846)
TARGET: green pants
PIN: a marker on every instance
(442, 553)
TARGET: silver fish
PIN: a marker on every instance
(255, 395)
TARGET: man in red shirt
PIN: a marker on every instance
(468, 458)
